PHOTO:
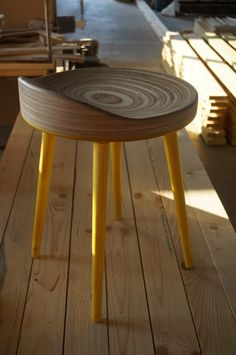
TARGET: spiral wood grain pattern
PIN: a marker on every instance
(107, 104)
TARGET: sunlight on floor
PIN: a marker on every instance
(201, 199)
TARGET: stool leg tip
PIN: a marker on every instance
(35, 253)
(96, 318)
(188, 266)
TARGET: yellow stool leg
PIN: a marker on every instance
(100, 175)
(116, 177)
(172, 155)
(45, 163)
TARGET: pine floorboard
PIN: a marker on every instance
(151, 304)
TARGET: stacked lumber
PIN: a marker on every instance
(213, 57)
(206, 7)
(229, 38)
(22, 53)
(214, 24)
(26, 52)
(181, 60)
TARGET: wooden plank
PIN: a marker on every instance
(209, 289)
(43, 321)
(229, 38)
(192, 69)
(127, 304)
(81, 335)
(11, 169)
(226, 75)
(26, 66)
(220, 69)
(218, 232)
(162, 277)
(31, 58)
(17, 51)
(22, 72)
(206, 8)
(222, 48)
(16, 33)
(203, 25)
(211, 106)
(25, 69)
(15, 253)
(188, 65)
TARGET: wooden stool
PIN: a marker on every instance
(105, 105)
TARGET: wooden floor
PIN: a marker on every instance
(151, 304)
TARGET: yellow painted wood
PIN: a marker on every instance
(46, 156)
(172, 155)
(116, 177)
(81, 336)
(100, 175)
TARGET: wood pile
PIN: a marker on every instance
(208, 61)
(206, 7)
(25, 52)
(181, 60)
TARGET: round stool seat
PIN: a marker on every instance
(107, 104)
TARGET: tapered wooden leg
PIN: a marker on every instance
(172, 154)
(116, 177)
(45, 163)
(100, 175)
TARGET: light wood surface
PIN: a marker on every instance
(16, 246)
(81, 336)
(222, 48)
(205, 292)
(25, 69)
(184, 62)
(212, 278)
(158, 256)
(48, 277)
(10, 174)
(122, 256)
(223, 72)
(107, 104)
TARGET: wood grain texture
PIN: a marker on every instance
(18, 144)
(218, 231)
(161, 270)
(15, 254)
(107, 104)
(48, 281)
(26, 69)
(81, 335)
(218, 67)
(222, 48)
(210, 289)
(208, 302)
(127, 307)
(189, 67)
